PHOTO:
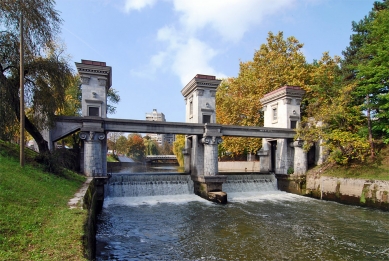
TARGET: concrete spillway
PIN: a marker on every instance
(175, 184)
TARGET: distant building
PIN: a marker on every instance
(160, 138)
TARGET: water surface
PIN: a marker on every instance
(255, 225)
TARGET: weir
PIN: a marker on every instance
(279, 154)
(142, 185)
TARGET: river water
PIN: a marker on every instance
(259, 224)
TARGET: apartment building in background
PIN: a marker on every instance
(160, 138)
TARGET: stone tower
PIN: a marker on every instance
(96, 80)
(282, 110)
(199, 95)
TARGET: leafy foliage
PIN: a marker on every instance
(178, 146)
(136, 147)
(47, 71)
(277, 63)
(151, 146)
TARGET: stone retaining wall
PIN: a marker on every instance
(93, 202)
(371, 193)
(360, 192)
(238, 166)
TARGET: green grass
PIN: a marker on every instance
(35, 221)
(359, 172)
(112, 158)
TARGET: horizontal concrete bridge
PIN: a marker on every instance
(68, 125)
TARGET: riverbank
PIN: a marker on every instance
(36, 222)
(353, 191)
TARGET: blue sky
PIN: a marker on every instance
(155, 47)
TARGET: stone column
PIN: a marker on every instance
(93, 153)
(264, 157)
(186, 153)
(211, 155)
(300, 158)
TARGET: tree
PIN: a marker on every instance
(166, 148)
(151, 146)
(178, 146)
(373, 73)
(47, 74)
(112, 141)
(277, 63)
(330, 113)
(136, 147)
(122, 145)
(365, 64)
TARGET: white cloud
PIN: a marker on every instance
(229, 18)
(186, 54)
(191, 58)
(137, 4)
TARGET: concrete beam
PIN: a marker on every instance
(140, 126)
(257, 132)
(63, 129)
(120, 125)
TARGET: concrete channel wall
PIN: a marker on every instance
(93, 202)
(238, 166)
(360, 192)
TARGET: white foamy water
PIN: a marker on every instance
(153, 200)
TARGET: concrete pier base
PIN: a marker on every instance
(210, 188)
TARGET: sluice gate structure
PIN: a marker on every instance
(279, 151)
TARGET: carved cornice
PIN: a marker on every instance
(286, 92)
(206, 84)
(103, 72)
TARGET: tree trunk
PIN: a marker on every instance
(13, 98)
(35, 133)
(371, 142)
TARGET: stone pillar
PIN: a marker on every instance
(300, 158)
(186, 153)
(211, 155)
(96, 78)
(264, 157)
(94, 164)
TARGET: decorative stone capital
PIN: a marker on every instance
(200, 92)
(91, 136)
(287, 100)
(211, 140)
(85, 79)
(102, 81)
(297, 143)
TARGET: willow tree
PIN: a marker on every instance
(277, 63)
(47, 74)
(178, 147)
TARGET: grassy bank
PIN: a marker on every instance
(367, 171)
(35, 221)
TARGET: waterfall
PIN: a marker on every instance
(250, 183)
(141, 185)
